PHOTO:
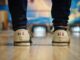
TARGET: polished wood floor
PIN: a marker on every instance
(41, 49)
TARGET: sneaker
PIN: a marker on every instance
(61, 36)
(21, 37)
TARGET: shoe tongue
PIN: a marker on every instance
(59, 28)
(22, 29)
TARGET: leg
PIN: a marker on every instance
(18, 10)
(60, 12)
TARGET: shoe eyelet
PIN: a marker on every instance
(19, 33)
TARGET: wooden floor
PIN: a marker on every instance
(42, 51)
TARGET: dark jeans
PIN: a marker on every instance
(60, 12)
(18, 10)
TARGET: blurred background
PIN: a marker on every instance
(39, 12)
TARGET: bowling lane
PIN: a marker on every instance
(39, 52)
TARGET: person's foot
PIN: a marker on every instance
(61, 36)
(22, 37)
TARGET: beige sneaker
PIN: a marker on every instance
(61, 36)
(21, 37)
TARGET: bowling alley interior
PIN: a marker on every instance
(39, 26)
